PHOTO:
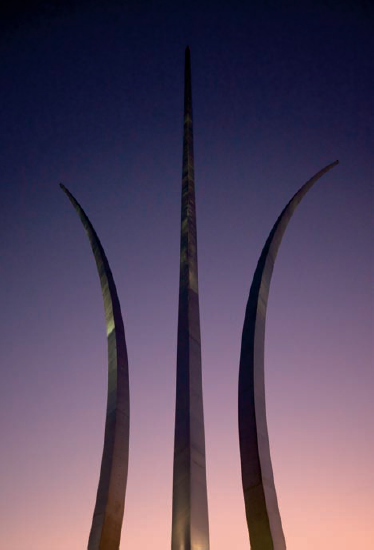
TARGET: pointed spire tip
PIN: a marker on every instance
(64, 189)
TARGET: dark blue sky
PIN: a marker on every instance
(92, 95)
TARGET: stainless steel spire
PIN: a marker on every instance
(190, 529)
(110, 501)
(260, 498)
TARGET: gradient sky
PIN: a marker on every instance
(93, 96)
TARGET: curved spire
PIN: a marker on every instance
(190, 528)
(261, 505)
(110, 501)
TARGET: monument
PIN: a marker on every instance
(190, 526)
(261, 505)
(110, 501)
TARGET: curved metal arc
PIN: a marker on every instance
(261, 505)
(108, 514)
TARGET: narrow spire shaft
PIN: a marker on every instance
(190, 528)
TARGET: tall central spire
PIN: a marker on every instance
(190, 529)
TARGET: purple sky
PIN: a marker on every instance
(93, 97)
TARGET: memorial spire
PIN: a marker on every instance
(190, 528)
